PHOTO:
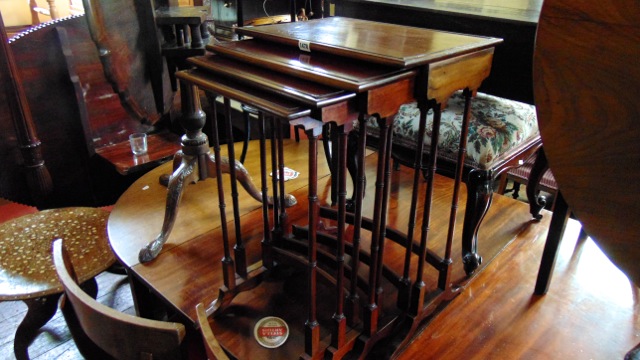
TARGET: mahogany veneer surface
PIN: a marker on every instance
(188, 270)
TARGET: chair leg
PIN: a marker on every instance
(479, 195)
(549, 254)
(537, 203)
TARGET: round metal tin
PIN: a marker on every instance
(271, 332)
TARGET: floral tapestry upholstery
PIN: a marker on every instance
(497, 126)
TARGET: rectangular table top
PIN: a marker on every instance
(382, 43)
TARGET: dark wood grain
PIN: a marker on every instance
(513, 21)
(188, 270)
(584, 87)
(373, 42)
(37, 175)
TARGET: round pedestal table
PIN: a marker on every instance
(26, 266)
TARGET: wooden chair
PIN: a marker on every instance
(535, 170)
(102, 332)
(503, 133)
(213, 348)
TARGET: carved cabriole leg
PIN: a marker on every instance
(537, 203)
(195, 148)
(312, 327)
(40, 311)
(184, 174)
(353, 300)
(479, 194)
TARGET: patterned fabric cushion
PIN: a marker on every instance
(497, 126)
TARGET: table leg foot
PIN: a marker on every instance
(40, 311)
(183, 174)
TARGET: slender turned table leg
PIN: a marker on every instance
(339, 319)
(404, 290)
(285, 228)
(239, 250)
(267, 253)
(419, 287)
(228, 265)
(372, 310)
(276, 232)
(444, 279)
(383, 219)
(353, 300)
(312, 327)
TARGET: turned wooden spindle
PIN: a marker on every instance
(37, 174)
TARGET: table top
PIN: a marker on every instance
(323, 68)
(590, 134)
(26, 266)
(375, 42)
(306, 92)
(138, 214)
(521, 11)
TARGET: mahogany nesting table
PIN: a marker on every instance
(26, 266)
(427, 66)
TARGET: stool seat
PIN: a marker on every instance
(502, 134)
(26, 265)
(27, 272)
(496, 127)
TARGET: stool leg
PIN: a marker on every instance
(479, 194)
(40, 311)
(536, 203)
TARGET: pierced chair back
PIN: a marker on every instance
(110, 332)
(211, 345)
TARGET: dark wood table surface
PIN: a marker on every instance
(426, 65)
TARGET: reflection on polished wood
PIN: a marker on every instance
(498, 311)
(590, 311)
(597, 174)
(188, 270)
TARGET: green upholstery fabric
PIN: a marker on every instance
(497, 126)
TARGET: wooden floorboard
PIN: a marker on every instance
(589, 312)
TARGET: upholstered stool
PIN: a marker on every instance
(26, 267)
(502, 134)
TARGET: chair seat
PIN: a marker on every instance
(521, 175)
(497, 126)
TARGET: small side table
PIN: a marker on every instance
(26, 268)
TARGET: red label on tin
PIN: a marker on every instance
(272, 331)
